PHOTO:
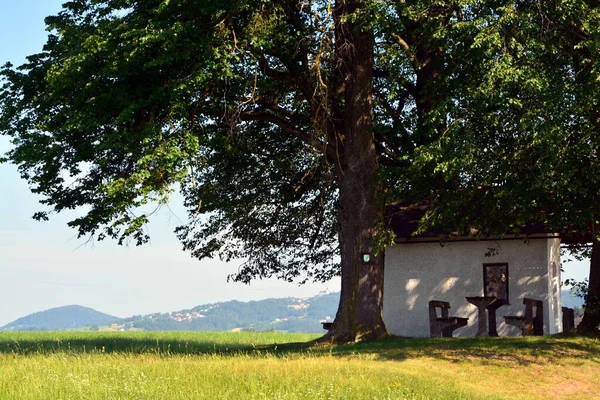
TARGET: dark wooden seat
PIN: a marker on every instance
(568, 319)
(532, 323)
(327, 325)
(444, 325)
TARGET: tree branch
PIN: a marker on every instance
(288, 128)
(401, 41)
(380, 73)
(273, 73)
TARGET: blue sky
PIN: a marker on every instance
(43, 265)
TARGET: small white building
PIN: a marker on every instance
(421, 269)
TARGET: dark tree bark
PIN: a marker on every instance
(591, 316)
(359, 315)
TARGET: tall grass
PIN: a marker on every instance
(172, 365)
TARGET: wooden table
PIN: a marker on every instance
(491, 311)
(483, 303)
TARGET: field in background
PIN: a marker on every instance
(175, 365)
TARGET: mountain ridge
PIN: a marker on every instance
(290, 314)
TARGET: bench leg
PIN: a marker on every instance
(447, 332)
(492, 322)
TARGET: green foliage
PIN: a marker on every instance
(578, 288)
(529, 156)
(382, 239)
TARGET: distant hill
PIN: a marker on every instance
(569, 300)
(60, 318)
(285, 314)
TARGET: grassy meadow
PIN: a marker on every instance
(176, 365)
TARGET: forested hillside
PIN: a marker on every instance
(287, 314)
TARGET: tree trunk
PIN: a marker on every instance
(359, 316)
(591, 316)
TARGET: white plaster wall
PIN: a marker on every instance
(554, 281)
(416, 273)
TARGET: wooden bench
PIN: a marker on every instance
(443, 326)
(532, 323)
(568, 319)
(327, 325)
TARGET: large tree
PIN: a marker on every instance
(288, 125)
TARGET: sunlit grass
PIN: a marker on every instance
(283, 366)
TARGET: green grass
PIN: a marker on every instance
(158, 343)
(175, 365)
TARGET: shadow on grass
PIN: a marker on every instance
(516, 350)
(160, 343)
